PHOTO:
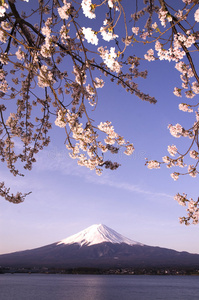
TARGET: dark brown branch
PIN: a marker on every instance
(163, 5)
(20, 21)
(82, 62)
(10, 38)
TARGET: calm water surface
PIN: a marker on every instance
(97, 287)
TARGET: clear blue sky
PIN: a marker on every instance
(135, 201)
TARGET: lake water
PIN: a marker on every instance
(98, 287)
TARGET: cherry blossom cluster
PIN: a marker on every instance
(88, 9)
(164, 16)
(3, 8)
(64, 10)
(176, 40)
(113, 137)
(86, 146)
(196, 15)
(192, 209)
(182, 41)
(186, 74)
(185, 107)
(45, 77)
(152, 164)
(172, 54)
(90, 35)
(178, 131)
(60, 120)
(110, 58)
(108, 34)
(150, 55)
(17, 198)
(3, 82)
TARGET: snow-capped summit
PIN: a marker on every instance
(97, 234)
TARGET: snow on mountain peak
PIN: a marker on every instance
(97, 234)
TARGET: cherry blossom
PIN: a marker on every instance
(177, 92)
(185, 107)
(172, 150)
(64, 10)
(194, 154)
(150, 55)
(108, 35)
(3, 9)
(60, 120)
(57, 60)
(192, 209)
(135, 30)
(196, 15)
(109, 58)
(153, 164)
(88, 9)
(175, 175)
(90, 35)
(176, 130)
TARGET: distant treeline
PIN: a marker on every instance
(98, 271)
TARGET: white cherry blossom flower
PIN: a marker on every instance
(60, 122)
(109, 59)
(177, 92)
(63, 11)
(88, 9)
(153, 164)
(135, 30)
(150, 55)
(20, 54)
(181, 199)
(196, 15)
(129, 149)
(3, 9)
(176, 130)
(107, 34)
(194, 154)
(175, 176)
(192, 171)
(98, 83)
(172, 150)
(154, 25)
(90, 35)
(185, 107)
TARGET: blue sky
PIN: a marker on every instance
(133, 200)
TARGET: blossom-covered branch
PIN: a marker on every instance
(52, 65)
(176, 40)
(33, 75)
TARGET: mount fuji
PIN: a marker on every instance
(98, 246)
